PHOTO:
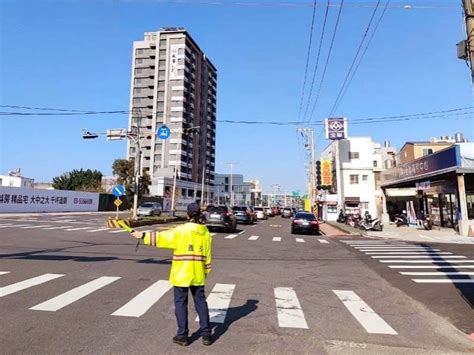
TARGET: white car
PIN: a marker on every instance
(149, 209)
(261, 214)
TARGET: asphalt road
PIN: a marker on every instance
(269, 292)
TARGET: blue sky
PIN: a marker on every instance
(77, 55)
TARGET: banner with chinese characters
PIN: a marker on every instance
(326, 172)
(21, 199)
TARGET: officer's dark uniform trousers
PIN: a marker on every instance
(181, 309)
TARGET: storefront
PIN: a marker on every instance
(444, 187)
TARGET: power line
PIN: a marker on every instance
(363, 54)
(307, 57)
(355, 57)
(323, 31)
(327, 61)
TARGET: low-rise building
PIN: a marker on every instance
(14, 179)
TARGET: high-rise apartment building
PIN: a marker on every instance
(174, 84)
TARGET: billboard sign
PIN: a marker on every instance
(326, 172)
(336, 128)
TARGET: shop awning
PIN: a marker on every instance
(410, 191)
(352, 199)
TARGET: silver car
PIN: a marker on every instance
(149, 209)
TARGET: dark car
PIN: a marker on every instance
(243, 214)
(286, 212)
(220, 217)
(304, 222)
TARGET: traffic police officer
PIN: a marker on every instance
(191, 245)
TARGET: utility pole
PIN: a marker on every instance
(308, 135)
(466, 47)
(231, 186)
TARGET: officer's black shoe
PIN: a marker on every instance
(183, 341)
(207, 340)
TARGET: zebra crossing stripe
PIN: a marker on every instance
(276, 239)
(74, 295)
(299, 240)
(60, 227)
(5, 224)
(37, 226)
(289, 312)
(253, 237)
(78, 229)
(98, 230)
(438, 273)
(411, 253)
(15, 226)
(441, 261)
(430, 267)
(365, 315)
(388, 248)
(118, 231)
(22, 285)
(4, 272)
(144, 300)
(231, 236)
(213, 234)
(403, 249)
(323, 241)
(444, 281)
(434, 257)
(218, 302)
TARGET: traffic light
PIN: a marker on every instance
(318, 173)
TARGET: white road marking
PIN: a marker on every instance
(276, 239)
(289, 312)
(254, 225)
(402, 249)
(22, 285)
(365, 315)
(231, 236)
(78, 229)
(411, 253)
(218, 302)
(253, 237)
(438, 273)
(241, 232)
(60, 227)
(213, 234)
(434, 257)
(372, 242)
(144, 300)
(428, 261)
(425, 237)
(444, 281)
(4, 272)
(392, 247)
(118, 231)
(5, 224)
(15, 226)
(299, 240)
(98, 230)
(34, 227)
(65, 299)
(430, 267)
(324, 241)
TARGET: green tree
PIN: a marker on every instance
(79, 180)
(125, 170)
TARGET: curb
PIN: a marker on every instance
(345, 229)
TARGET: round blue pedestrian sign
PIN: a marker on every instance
(118, 190)
(163, 132)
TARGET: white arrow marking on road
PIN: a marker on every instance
(418, 257)
(428, 261)
(438, 273)
(444, 281)
(365, 315)
(276, 239)
(74, 295)
(60, 227)
(289, 312)
(324, 241)
(78, 229)
(254, 237)
(22, 285)
(231, 236)
(218, 302)
(4, 272)
(430, 267)
(299, 240)
(144, 300)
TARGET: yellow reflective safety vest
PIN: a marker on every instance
(191, 244)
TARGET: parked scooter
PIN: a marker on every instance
(401, 219)
(353, 220)
(427, 224)
(369, 224)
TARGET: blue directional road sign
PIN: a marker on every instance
(163, 132)
(118, 190)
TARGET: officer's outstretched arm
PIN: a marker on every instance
(166, 239)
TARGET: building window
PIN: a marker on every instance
(138, 71)
(353, 155)
(427, 151)
(365, 177)
(139, 61)
(375, 163)
(354, 179)
(140, 51)
(138, 81)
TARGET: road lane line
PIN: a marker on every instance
(5, 224)
(241, 232)
(411, 253)
(141, 303)
(218, 302)
(22, 285)
(393, 247)
(276, 239)
(299, 240)
(439, 273)
(118, 231)
(365, 315)
(98, 230)
(35, 227)
(60, 227)
(445, 261)
(15, 226)
(253, 237)
(65, 299)
(78, 229)
(417, 257)
(430, 267)
(231, 236)
(289, 312)
(324, 241)
(444, 281)
(254, 225)
(4, 272)
(404, 249)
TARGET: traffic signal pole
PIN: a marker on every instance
(469, 18)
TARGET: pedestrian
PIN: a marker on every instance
(191, 245)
